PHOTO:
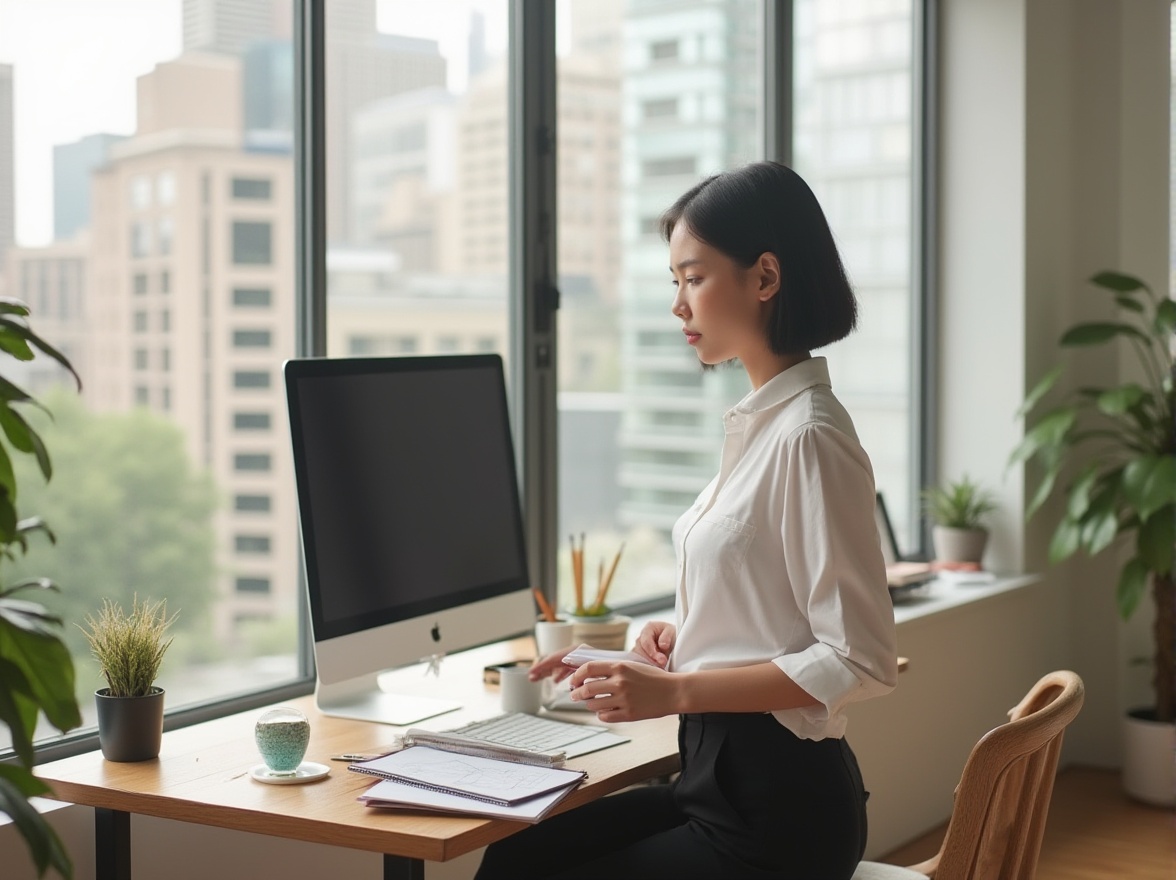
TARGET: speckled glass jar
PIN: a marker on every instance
(282, 735)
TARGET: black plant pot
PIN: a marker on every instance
(130, 728)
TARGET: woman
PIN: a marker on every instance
(782, 612)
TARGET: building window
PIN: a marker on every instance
(140, 358)
(660, 109)
(140, 239)
(377, 346)
(252, 585)
(447, 344)
(140, 192)
(674, 166)
(165, 320)
(251, 421)
(166, 233)
(140, 283)
(165, 281)
(142, 396)
(251, 188)
(253, 544)
(165, 398)
(165, 359)
(252, 339)
(252, 297)
(252, 461)
(252, 503)
(251, 379)
(663, 50)
(140, 321)
(252, 245)
(165, 188)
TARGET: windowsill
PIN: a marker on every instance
(941, 597)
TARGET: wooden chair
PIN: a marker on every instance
(1002, 800)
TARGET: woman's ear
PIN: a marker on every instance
(767, 267)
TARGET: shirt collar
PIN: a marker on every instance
(783, 386)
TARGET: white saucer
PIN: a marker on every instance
(308, 771)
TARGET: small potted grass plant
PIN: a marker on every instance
(129, 648)
(958, 510)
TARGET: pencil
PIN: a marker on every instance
(548, 611)
(608, 579)
(577, 574)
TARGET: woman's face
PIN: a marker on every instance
(723, 306)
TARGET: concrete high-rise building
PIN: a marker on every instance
(7, 163)
(227, 27)
(73, 165)
(690, 100)
(191, 308)
(268, 84)
(364, 66)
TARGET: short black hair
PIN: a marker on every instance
(767, 207)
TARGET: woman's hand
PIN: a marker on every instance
(656, 641)
(625, 691)
(551, 665)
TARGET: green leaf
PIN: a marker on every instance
(10, 306)
(10, 328)
(1079, 494)
(1101, 523)
(1149, 483)
(1096, 333)
(23, 437)
(1165, 321)
(1132, 587)
(1066, 540)
(44, 660)
(12, 343)
(1117, 281)
(1039, 391)
(1129, 303)
(1044, 490)
(1117, 401)
(1049, 433)
(17, 710)
(44, 845)
(1155, 542)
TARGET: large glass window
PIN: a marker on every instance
(137, 166)
(151, 202)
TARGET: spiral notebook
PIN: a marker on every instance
(490, 780)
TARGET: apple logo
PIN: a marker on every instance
(435, 632)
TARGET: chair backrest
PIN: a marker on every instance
(1003, 797)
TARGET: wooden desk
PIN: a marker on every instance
(202, 776)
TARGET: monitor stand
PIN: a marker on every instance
(374, 704)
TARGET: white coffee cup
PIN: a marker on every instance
(552, 636)
(519, 693)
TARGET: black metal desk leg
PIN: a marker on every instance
(112, 844)
(403, 868)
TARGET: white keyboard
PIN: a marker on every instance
(541, 734)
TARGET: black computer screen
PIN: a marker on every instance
(407, 490)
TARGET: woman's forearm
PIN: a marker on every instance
(763, 687)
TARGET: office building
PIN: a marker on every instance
(73, 164)
(7, 166)
(227, 27)
(268, 87)
(689, 106)
(191, 304)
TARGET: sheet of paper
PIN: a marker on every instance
(396, 795)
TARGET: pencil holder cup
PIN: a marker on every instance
(553, 635)
(610, 633)
(282, 736)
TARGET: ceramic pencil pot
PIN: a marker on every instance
(130, 728)
(609, 632)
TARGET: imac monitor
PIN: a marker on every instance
(411, 525)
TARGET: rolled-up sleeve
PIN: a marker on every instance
(835, 569)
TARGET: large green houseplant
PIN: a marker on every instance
(36, 670)
(1118, 447)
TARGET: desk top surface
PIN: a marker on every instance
(202, 773)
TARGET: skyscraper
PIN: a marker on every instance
(72, 166)
(226, 27)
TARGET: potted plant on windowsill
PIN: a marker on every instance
(958, 510)
(129, 647)
(1122, 495)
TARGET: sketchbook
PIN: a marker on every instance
(475, 777)
(387, 794)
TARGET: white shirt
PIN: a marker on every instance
(779, 559)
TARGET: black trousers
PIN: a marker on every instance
(752, 801)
